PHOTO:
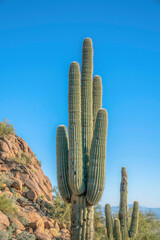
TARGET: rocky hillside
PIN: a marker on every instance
(26, 202)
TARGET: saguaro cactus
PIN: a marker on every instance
(119, 229)
(81, 158)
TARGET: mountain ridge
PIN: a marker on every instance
(156, 211)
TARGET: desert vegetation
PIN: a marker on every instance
(6, 129)
(148, 227)
(121, 228)
(72, 210)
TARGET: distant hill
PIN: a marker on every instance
(156, 211)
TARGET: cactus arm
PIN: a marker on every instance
(97, 96)
(117, 230)
(76, 179)
(123, 215)
(62, 163)
(109, 222)
(96, 175)
(134, 220)
(86, 101)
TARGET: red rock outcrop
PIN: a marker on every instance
(23, 180)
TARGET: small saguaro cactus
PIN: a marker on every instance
(119, 229)
(81, 157)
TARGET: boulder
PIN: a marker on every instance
(1, 162)
(32, 216)
(4, 221)
(64, 233)
(48, 224)
(56, 226)
(51, 220)
(4, 146)
(3, 168)
(17, 184)
(37, 224)
(31, 195)
(53, 232)
(3, 185)
(41, 235)
(32, 184)
(18, 231)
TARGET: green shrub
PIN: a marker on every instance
(6, 129)
(42, 196)
(13, 190)
(12, 228)
(24, 159)
(24, 199)
(1, 184)
(7, 178)
(39, 199)
(39, 162)
(3, 235)
(48, 205)
(25, 236)
(6, 204)
(25, 188)
(99, 223)
(61, 210)
(36, 205)
(149, 227)
(22, 219)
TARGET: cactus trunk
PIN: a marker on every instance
(123, 204)
(82, 224)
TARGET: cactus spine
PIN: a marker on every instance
(81, 156)
(120, 229)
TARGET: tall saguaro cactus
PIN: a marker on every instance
(81, 157)
(119, 229)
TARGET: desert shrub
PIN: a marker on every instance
(13, 190)
(39, 162)
(6, 129)
(1, 184)
(6, 204)
(48, 206)
(25, 188)
(42, 196)
(61, 210)
(36, 205)
(149, 227)
(32, 170)
(39, 199)
(12, 228)
(25, 236)
(24, 159)
(15, 197)
(22, 219)
(24, 199)
(3, 235)
(99, 223)
(7, 178)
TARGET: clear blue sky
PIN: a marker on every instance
(39, 39)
